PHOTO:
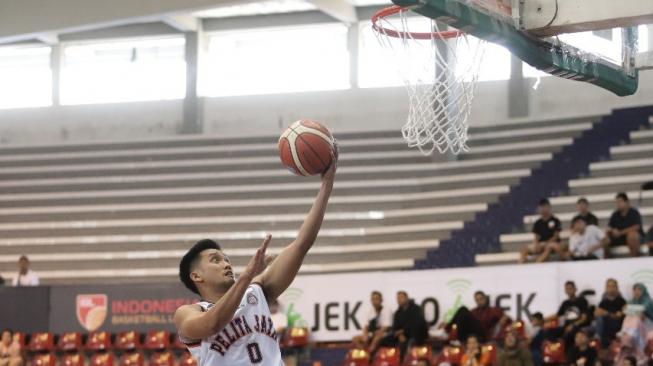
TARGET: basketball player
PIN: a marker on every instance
(232, 325)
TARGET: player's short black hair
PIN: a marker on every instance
(583, 200)
(622, 195)
(189, 259)
(544, 202)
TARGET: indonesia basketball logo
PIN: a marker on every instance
(252, 300)
(91, 310)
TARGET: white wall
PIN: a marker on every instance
(343, 110)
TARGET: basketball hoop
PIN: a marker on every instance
(439, 68)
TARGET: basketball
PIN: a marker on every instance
(306, 148)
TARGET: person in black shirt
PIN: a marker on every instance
(625, 227)
(649, 239)
(583, 207)
(546, 232)
(609, 314)
(581, 354)
(573, 313)
(408, 325)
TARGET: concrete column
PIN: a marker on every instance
(56, 64)
(517, 90)
(192, 117)
(353, 43)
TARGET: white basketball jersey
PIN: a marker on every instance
(249, 339)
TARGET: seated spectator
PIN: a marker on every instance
(637, 326)
(585, 242)
(536, 337)
(512, 354)
(9, 350)
(625, 226)
(649, 239)
(573, 313)
(583, 207)
(473, 355)
(609, 314)
(25, 277)
(581, 354)
(466, 324)
(547, 235)
(628, 361)
(492, 318)
(379, 320)
(408, 325)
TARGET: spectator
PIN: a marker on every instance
(9, 350)
(492, 318)
(609, 314)
(408, 325)
(628, 361)
(637, 326)
(536, 337)
(2, 281)
(585, 242)
(512, 354)
(473, 355)
(546, 232)
(581, 354)
(466, 324)
(573, 312)
(25, 277)
(625, 226)
(583, 207)
(379, 321)
(649, 238)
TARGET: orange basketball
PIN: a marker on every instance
(306, 147)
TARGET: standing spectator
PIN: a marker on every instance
(9, 350)
(581, 354)
(637, 326)
(573, 313)
(625, 226)
(25, 277)
(408, 325)
(585, 242)
(583, 207)
(473, 355)
(609, 314)
(546, 231)
(379, 321)
(536, 337)
(492, 318)
(512, 354)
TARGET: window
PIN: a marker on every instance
(26, 77)
(379, 67)
(289, 59)
(123, 71)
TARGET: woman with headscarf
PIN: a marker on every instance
(637, 327)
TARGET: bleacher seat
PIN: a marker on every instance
(186, 359)
(131, 359)
(72, 359)
(489, 354)
(44, 359)
(418, 353)
(102, 359)
(387, 356)
(128, 341)
(390, 205)
(165, 358)
(41, 342)
(296, 337)
(98, 341)
(357, 357)
(157, 340)
(69, 342)
(553, 353)
(452, 355)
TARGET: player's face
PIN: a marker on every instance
(215, 269)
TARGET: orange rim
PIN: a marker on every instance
(394, 9)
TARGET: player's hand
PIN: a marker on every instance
(330, 173)
(258, 263)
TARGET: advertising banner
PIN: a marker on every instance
(25, 308)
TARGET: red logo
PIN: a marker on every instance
(91, 310)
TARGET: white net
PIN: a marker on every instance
(440, 69)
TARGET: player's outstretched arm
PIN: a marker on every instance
(282, 271)
(195, 324)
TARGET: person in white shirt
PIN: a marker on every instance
(585, 241)
(379, 321)
(25, 276)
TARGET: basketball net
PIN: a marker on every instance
(440, 69)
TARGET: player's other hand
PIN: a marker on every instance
(258, 263)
